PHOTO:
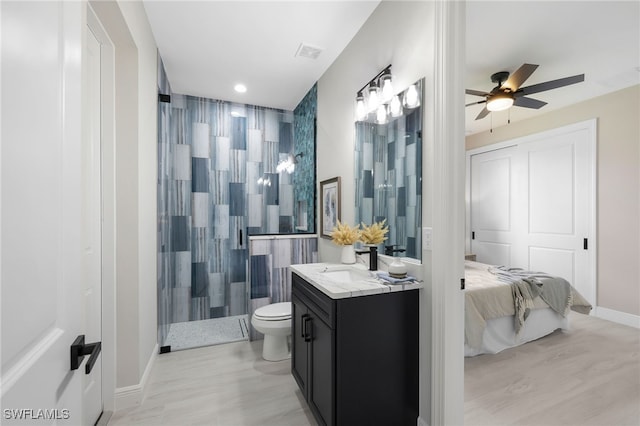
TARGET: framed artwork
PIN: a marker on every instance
(330, 205)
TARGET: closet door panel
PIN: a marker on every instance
(492, 206)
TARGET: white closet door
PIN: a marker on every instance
(559, 200)
(492, 206)
(532, 205)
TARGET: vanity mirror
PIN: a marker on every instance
(388, 173)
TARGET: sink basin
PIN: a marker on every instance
(345, 274)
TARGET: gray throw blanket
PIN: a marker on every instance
(527, 285)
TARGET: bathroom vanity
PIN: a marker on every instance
(355, 346)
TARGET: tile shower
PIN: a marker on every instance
(218, 185)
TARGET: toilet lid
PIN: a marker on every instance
(274, 312)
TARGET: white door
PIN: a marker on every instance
(559, 196)
(492, 206)
(91, 222)
(41, 200)
(532, 205)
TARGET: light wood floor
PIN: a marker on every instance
(589, 376)
(224, 385)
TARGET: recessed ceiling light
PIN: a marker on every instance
(240, 88)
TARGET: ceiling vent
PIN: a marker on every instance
(308, 51)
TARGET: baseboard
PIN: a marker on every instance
(132, 396)
(617, 316)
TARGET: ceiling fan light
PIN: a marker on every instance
(500, 102)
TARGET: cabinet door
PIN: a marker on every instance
(321, 376)
(299, 347)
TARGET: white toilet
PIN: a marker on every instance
(274, 321)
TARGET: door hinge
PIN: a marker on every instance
(461, 283)
(585, 244)
(473, 235)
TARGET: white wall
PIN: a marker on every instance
(396, 33)
(135, 193)
(618, 187)
(138, 24)
(420, 39)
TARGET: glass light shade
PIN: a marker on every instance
(387, 88)
(395, 107)
(500, 102)
(374, 99)
(361, 108)
(411, 97)
(381, 114)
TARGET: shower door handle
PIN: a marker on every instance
(240, 237)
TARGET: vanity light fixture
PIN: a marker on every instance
(373, 102)
(386, 86)
(395, 106)
(381, 114)
(377, 98)
(361, 108)
(411, 97)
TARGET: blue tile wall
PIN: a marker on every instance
(209, 164)
(304, 178)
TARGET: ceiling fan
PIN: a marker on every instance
(508, 91)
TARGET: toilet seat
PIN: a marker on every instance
(274, 312)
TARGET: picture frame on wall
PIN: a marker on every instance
(330, 200)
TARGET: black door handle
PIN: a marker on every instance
(79, 349)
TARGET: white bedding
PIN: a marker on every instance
(489, 314)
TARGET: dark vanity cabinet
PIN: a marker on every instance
(356, 359)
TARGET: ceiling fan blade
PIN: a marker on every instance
(516, 79)
(483, 113)
(549, 85)
(528, 103)
(476, 103)
(475, 92)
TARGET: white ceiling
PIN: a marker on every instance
(598, 39)
(209, 46)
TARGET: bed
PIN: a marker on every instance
(505, 308)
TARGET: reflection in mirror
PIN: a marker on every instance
(388, 171)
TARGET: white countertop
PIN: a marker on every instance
(320, 276)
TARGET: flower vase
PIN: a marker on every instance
(348, 254)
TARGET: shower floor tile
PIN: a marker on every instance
(194, 334)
